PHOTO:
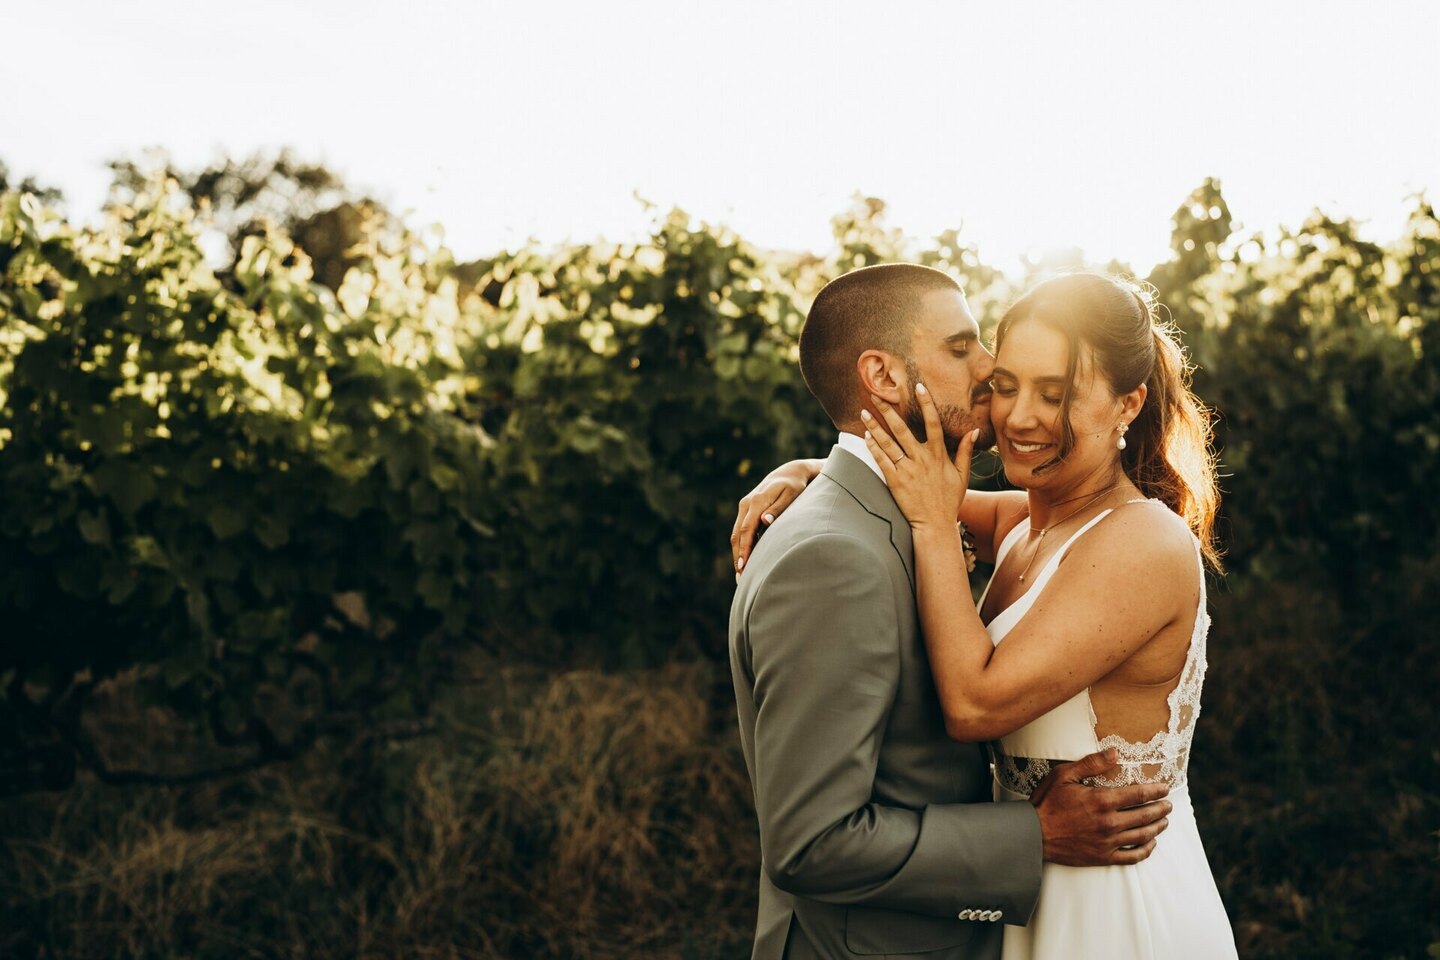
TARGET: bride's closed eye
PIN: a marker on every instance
(1008, 390)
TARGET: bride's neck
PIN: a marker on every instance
(1097, 489)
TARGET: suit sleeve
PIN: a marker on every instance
(824, 644)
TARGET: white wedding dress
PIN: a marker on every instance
(1165, 907)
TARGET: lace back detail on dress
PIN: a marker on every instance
(1166, 756)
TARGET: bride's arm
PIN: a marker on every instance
(987, 515)
(1116, 590)
(766, 502)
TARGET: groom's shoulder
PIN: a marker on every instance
(827, 508)
(824, 523)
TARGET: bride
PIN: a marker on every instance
(1091, 633)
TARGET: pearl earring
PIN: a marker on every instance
(1120, 444)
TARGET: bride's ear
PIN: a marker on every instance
(882, 374)
(1131, 403)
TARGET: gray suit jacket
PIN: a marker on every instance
(877, 832)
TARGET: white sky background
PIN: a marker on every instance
(1034, 125)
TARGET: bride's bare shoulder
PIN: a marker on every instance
(1145, 536)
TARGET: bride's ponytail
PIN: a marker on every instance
(1169, 456)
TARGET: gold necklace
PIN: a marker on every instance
(1051, 526)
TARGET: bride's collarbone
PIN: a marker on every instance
(1007, 588)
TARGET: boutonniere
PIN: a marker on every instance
(967, 543)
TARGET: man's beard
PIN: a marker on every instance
(955, 421)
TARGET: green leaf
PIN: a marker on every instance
(144, 550)
(224, 520)
(180, 669)
(94, 527)
(271, 531)
(129, 486)
(433, 589)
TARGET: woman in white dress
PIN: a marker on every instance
(1091, 633)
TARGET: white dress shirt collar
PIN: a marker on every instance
(852, 443)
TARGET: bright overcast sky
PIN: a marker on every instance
(1032, 124)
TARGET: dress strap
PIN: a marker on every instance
(1065, 547)
(1054, 561)
(1010, 540)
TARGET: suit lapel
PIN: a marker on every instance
(871, 493)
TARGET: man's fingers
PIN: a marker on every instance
(1120, 798)
(1127, 857)
(1037, 796)
(1091, 765)
(1141, 817)
(1141, 835)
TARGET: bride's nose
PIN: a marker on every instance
(1024, 412)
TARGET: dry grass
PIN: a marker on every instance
(583, 815)
(605, 815)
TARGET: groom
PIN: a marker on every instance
(877, 833)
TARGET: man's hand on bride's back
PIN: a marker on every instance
(768, 500)
(1086, 826)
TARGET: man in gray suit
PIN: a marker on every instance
(877, 832)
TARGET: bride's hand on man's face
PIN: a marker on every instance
(927, 484)
(766, 502)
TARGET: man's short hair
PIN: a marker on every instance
(873, 308)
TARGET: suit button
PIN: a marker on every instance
(966, 914)
(994, 915)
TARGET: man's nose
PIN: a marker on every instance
(985, 365)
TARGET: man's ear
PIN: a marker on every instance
(882, 374)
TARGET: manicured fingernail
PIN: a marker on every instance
(768, 518)
(739, 564)
(975, 435)
(865, 415)
(920, 389)
(867, 434)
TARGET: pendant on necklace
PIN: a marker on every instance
(1033, 555)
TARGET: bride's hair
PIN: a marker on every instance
(1167, 451)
